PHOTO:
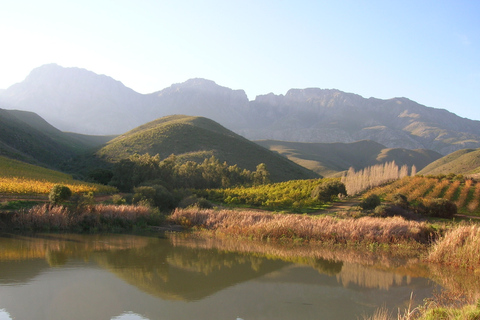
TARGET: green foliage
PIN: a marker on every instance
(441, 208)
(118, 199)
(59, 193)
(328, 190)
(102, 176)
(196, 139)
(370, 202)
(155, 196)
(173, 173)
(293, 195)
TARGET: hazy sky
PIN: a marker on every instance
(428, 51)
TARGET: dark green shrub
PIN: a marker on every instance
(441, 208)
(155, 196)
(328, 190)
(371, 202)
(400, 200)
(59, 193)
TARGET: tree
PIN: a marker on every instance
(261, 175)
(59, 193)
(328, 190)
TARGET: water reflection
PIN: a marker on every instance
(102, 276)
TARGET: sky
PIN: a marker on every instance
(427, 51)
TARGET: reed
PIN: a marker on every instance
(261, 226)
(48, 217)
(459, 247)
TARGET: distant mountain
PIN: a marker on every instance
(465, 161)
(330, 159)
(78, 100)
(196, 138)
(26, 136)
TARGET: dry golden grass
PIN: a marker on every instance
(260, 225)
(459, 247)
(46, 216)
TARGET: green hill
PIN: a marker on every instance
(330, 159)
(196, 138)
(26, 136)
(465, 161)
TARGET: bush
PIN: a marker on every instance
(441, 208)
(193, 201)
(371, 202)
(400, 200)
(59, 193)
(155, 196)
(328, 190)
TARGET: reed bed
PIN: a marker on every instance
(262, 226)
(459, 247)
(48, 217)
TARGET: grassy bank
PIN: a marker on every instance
(83, 219)
(263, 226)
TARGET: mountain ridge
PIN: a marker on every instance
(77, 100)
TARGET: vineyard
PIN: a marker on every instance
(465, 193)
(294, 194)
(17, 177)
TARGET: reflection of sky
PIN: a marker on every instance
(4, 315)
(129, 316)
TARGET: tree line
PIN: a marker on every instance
(175, 173)
(359, 181)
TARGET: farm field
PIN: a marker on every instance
(464, 192)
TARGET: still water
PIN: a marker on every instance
(131, 277)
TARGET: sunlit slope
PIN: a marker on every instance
(197, 137)
(17, 177)
(330, 159)
(465, 161)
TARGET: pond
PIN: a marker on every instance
(131, 277)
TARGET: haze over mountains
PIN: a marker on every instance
(78, 100)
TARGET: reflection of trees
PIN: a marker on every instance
(368, 277)
(365, 269)
(182, 272)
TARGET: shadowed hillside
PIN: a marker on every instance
(330, 159)
(26, 136)
(196, 138)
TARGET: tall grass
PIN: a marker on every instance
(260, 225)
(98, 217)
(459, 247)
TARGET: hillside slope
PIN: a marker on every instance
(197, 138)
(78, 100)
(26, 136)
(465, 161)
(330, 159)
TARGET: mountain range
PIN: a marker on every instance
(77, 100)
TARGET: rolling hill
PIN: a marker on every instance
(26, 136)
(330, 159)
(465, 161)
(195, 138)
(78, 100)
